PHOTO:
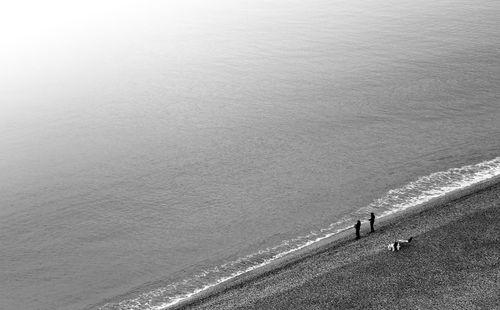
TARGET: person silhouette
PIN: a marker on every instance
(357, 227)
(372, 221)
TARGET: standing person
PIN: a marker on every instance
(357, 227)
(372, 221)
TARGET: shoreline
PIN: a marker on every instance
(270, 274)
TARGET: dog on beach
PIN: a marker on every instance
(397, 245)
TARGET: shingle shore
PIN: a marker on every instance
(453, 263)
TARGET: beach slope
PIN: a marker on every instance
(453, 263)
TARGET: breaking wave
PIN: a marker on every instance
(412, 194)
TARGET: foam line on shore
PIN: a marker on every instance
(419, 192)
(454, 250)
(435, 185)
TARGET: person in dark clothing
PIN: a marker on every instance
(357, 227)
(372, 221)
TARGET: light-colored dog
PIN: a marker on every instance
(396, 246)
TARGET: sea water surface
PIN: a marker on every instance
(151, 150)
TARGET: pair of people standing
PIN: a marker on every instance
(358, 225)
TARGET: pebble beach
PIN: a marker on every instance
(452, 263)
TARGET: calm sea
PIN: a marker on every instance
(150, 150)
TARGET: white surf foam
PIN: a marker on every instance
(433, 186)
(415, 193)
